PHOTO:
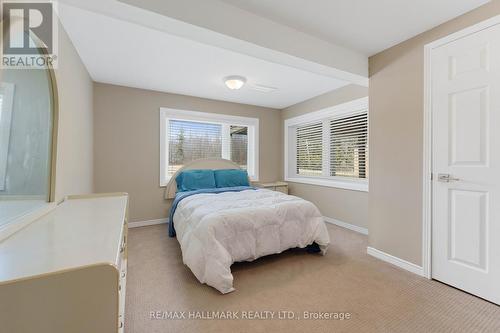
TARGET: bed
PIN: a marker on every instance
(217, 226)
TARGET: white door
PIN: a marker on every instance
(466, 163)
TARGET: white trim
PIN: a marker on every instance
(465, 32)
(427, 168)
(208, 117)
(214, 118)
(346, 225)
(406, 265)
(427, 132)
(226, 135)
(364, 231)
(164, 134)
(361, 105)
(138, 224)
(336, 182)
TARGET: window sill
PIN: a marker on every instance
(346, 185)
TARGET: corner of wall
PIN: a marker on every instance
(74, 157)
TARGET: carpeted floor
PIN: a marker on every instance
(378, 296)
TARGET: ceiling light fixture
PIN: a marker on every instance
(235, 82)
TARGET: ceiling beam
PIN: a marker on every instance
(222, 25)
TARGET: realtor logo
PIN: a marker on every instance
(29, 34)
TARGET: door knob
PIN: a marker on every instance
(446, 178)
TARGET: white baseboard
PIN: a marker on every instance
(411, 267)
(352, 227)
(349, 226)
(138, 224)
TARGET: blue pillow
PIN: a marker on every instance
(191, 180)
(231, 178)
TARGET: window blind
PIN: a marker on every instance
(189, 141)
(349, 146)
(309, 149)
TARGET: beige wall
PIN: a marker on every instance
(344, 205)
(396, 141)
(74, 166)
(127, 142)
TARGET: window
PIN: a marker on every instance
(329, 147)
(189, 141)
(309, 149)
(349, 146)
(187, 136)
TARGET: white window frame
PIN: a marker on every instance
(167, 114)
(325, 115)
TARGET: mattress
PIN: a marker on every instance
(217, 229)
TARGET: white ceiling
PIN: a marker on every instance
(120, 52)
(126, 45)
(367, 26)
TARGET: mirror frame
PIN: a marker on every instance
(54, 99)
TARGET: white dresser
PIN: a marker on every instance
(66, 271)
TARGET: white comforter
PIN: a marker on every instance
(216, 230)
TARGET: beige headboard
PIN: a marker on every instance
(215, 164)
